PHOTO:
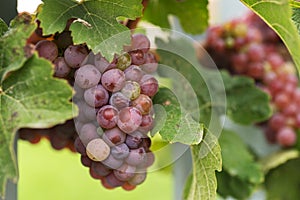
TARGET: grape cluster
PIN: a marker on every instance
(249, 47)
(115, 106)
(115, 112)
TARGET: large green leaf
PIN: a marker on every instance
(178, 126)
(237, 160)
(277, 14)
(241, 173)
(192, 14)
(233, 186)
(283, 183)
(97, 24)
(246, 103)
(29, 97)
(12, 43)
(206, 160)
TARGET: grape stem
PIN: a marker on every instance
(132, 24)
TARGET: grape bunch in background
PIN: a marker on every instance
(115, 106)
(249, 47)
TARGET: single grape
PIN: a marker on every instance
(94, 175)
(113, 80)
(130, 119)
(150, 65)
(134, 140)
(256, 52)
(96, 96)
(123, 61)
(146, 143)
(56, 142)
(286, 137)
(281, 100)
(149, 161)
(100, 169)
(114, 136)
(138, 178)
(277, 121)
(125, 172)
(79, 146)
(87, 76)
(255, 70)
(143, 103)
(63, 40)
(97, 150)
(112, 162)
(275, 60)
(131, 90)
(86, 161)
(47, 49)
(61, 69)
(113, 181)
(101, 63)
(119, 100)
(147, 123)
(86, 112)
(120, 151)
(134, 73)
(149, 85)
(75, 54)
(137, 57)
(141, 42)
(239, 62)
(136, 156)
(87, 133)
(126, 186)
(107, 116)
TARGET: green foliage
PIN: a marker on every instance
(192, 14)
(3, 27)
(233, 186)
(12, 45)
(278, 158)
(246, 103)
(29, 97)
(277, 14)
(240, 172)
(206, 160)
(96, 25)
(179, 125)
(283, 183)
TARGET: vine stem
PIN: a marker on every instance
(132, 24)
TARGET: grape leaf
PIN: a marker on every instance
(96, 25)
(237, 160)
(3, 27)
(240, 172)
(233, 186)
(193, 15)
(30, 97)
(278, 158)
(179, 125)
(283, 182)
(246, 103)
(12, 43)
(281, 23)
(206, 160)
